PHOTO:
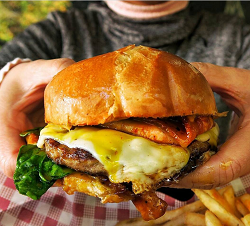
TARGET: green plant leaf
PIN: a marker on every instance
(35, 172)
(35, 131)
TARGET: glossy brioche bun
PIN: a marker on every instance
(135, 81)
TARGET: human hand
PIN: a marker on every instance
(21, 101)
(233, 157)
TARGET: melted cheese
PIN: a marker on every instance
(211, 136)
(125, 157)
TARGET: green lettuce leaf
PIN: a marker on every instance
(35, 131)
(35, 172)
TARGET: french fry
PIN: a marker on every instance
(224, 216)
(194, 219)
(222, 190)
(245, 199)
(134, 222)
(219, 198)
(241, 208)
(188, 218)
(215, 208)
(230, 198)
(196, 206)
(211, 219)
(178, 221)
(246, 220)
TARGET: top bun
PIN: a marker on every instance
(135, 81)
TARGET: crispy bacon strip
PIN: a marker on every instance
(32, 138)
(97, 186)
(195, 126)
(150, 205)
(176, 130)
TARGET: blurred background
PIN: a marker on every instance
(17, 15)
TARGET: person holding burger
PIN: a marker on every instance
(121, 24)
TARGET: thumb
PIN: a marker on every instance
(28, 81)
(232, 84)
(40, 72)
(20, 93)
(229, 163)
(232, 160)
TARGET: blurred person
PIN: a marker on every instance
(47, 47)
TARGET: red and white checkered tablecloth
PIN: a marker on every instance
(58, 208)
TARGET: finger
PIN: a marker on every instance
(232, 84)
(20, 93)
(44, 70)
(231, 162)
(28, 81)
(11, 142)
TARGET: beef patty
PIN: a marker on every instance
(74, 158)
(81, 160)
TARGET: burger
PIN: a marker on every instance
(120, 126)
